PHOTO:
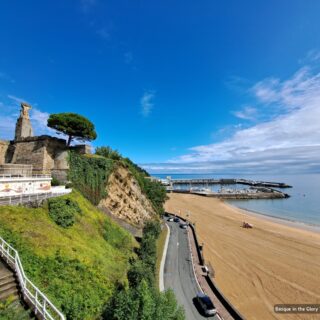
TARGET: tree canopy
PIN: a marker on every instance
(73, 125)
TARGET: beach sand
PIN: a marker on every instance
(272, 263)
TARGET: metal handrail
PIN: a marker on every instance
(41, 304)
(21, 176)
(26, 198)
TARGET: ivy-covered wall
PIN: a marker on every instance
(89, 174)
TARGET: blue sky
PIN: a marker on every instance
(178, 86)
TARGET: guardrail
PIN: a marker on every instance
(20, 176)
(20, 199)
(33, 296)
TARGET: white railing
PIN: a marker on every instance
(41, 304)
(20, 199)
(21, 176)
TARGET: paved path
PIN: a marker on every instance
(178, 272)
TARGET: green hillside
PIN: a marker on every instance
(78, 267)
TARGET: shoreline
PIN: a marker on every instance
(282, 221)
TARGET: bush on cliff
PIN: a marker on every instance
(63, 211)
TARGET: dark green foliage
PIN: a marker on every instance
(139, 271)
(142, 300)
(55, 182)
(136, 167)
(89, 174)
(143, 303)
(73, 125)
(152, 228)
(13, 310)
(108, 153)
(63, 211)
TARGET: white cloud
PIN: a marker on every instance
(17, 100)
(313, 55)
(147, 103)
(288, 142)
(247, 113)
(39, 122)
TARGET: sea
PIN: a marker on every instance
(303, 205)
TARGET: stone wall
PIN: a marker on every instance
(3, 150)
(45, 153)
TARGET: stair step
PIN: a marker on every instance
(5, 276)
(8, 286)
(4, 272)
(10, 292)
(7, 280)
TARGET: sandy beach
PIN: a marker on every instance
(273, 263)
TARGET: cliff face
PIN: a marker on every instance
(125, 199)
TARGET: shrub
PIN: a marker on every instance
(63, 211)
(55, 182)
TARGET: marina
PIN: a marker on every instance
(227, 188)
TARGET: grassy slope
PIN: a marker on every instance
(76, 267)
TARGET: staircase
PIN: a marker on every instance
(8, 283)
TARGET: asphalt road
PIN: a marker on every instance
(178, 272)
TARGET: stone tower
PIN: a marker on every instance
(23, 125)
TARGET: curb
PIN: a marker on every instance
(163, 260)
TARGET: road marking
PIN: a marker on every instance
(163, 260)
(177, 244)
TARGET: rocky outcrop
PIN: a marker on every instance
(125, 199)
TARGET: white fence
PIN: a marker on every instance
(13, 176)
(32, 295)
(15, 200)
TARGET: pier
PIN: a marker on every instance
(253, 183)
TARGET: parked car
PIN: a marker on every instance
(183, 225)
(206, 305)
(170, 219)
(176, 219)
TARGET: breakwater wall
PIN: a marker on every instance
(252, 183)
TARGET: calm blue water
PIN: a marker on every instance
(302, 206)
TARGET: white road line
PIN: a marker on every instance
(163, 260)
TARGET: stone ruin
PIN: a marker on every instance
(45, 153)
(23, 125)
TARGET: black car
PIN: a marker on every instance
(176, 219)
(206, 304)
